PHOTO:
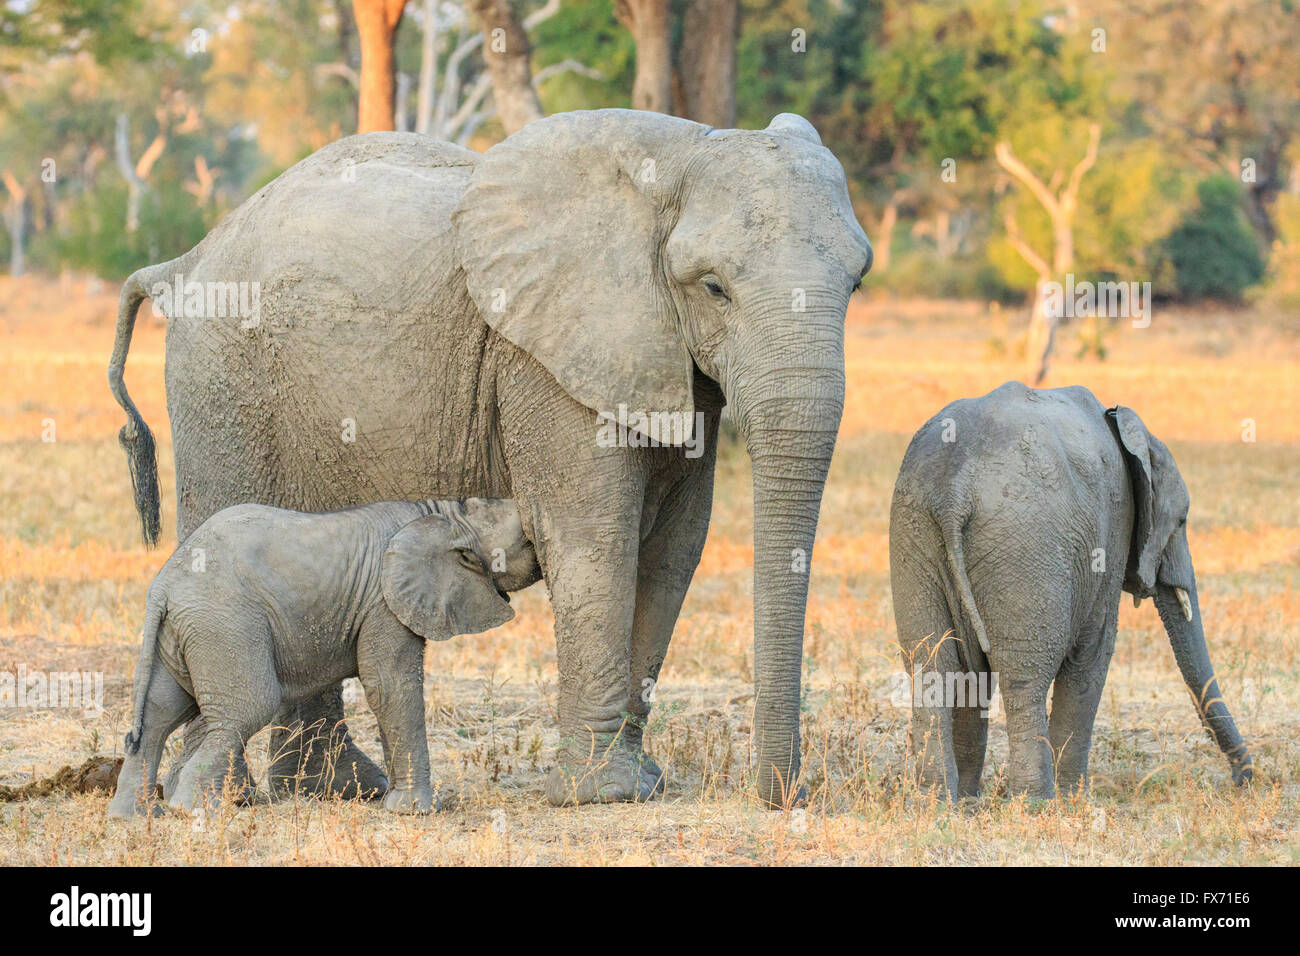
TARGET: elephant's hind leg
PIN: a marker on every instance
(931, 740)
(970, 738)
(236, 703)
(928, 647)
(167, 706)
(1075, 698)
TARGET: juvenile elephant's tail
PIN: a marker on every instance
(135, 436)
(952, 533)
(155, 609)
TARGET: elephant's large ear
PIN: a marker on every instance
(1144, 552)
(559, 235)
(430, 581)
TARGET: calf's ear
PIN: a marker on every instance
(436, 584)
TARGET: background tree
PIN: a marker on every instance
(650, 23)
(694, 76)
(1060, 203)
(377, 22)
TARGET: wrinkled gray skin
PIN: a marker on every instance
(993, 536)
(472, 313)
(261, 608)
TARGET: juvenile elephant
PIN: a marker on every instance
(260, 608)
(1017, 520)
(424, 320)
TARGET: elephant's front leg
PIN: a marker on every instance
(676, 528)
(390, 663)
(591, 572)
(581, 499)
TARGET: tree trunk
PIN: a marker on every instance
(377, 22)
(708, 61)
(650, 23)
(506, 52)
(1042, 334)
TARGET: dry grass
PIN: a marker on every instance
(73, 577)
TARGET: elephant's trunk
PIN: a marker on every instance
(789, 417)
(1188, 640)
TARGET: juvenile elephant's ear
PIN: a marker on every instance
(1144, 552)
(559, 235)
(428, 584)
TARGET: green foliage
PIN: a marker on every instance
(1213, 252)
(109, 30)
(586, 31)
(922, 273)
(95, 240)
(775, 77)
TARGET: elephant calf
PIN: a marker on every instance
(261, 607)
(1017, 520)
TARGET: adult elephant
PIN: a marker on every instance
(434, 322)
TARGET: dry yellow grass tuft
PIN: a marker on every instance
(73, 574)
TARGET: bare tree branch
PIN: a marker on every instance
(551, 8)
(1070, 198)
(566, 66)
(1036, 262)
(341, 70)
(1008, 161)
(482, 86)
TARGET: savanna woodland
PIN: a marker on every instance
(993, 150)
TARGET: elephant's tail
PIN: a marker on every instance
(155, 610)
(135, 436)
(952, 535)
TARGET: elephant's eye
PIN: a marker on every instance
(856, 286)
(714, 288)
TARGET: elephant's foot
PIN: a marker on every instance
(616, 776)
(128, 807)
(413, 800)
